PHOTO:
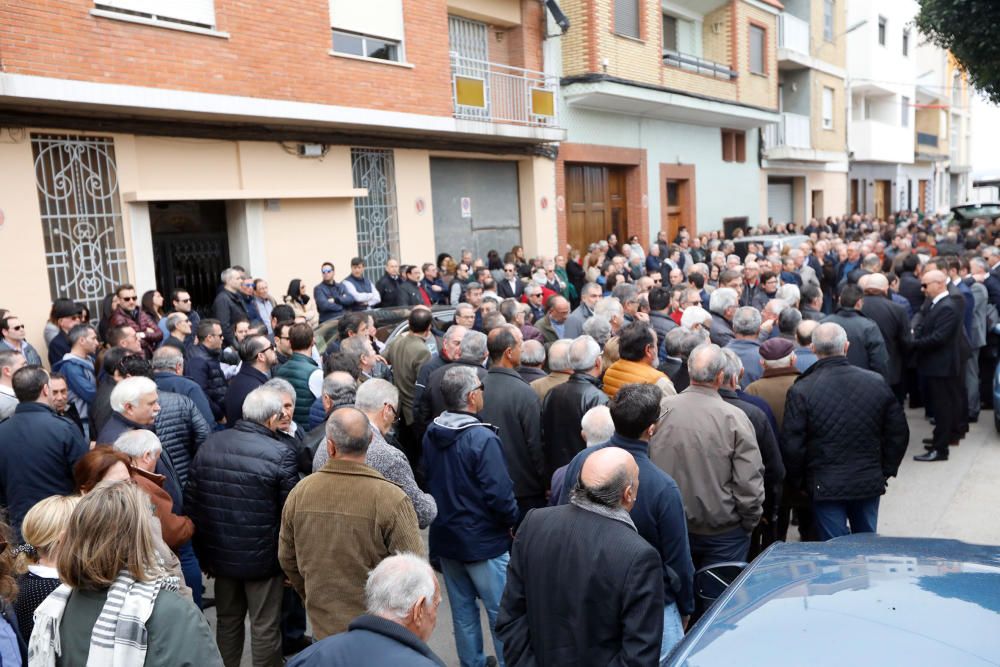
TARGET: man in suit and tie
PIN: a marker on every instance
(937, 342)
(511, 286)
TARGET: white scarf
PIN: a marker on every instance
(119, 636)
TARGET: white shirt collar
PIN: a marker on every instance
(43, 571)
(939, 297)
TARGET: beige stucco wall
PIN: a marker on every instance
(413, 183)
(834, 187)
(823, 139)
(303, 234)
(22, 271)
(834, 52)
(756, 89)
(536, 180)
(499, 12)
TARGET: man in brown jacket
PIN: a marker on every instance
(778, 357)
(710, 449)
(339, 523)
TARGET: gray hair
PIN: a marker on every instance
(788, 321)
(790, 293)
(129, 390)
(456, 385)
(625, 292)
(79, 332)
(261, 404)
(137, 443)
(695, 315)
(608, 494)
(705, 363)
(746, 321)
(584, 351)
(282, 386)
(473, 347)
(559, 355)
(828, 339)
(173, 319)
(591, 287)
(532, 353)
(598, 328)
(784, 362)
(356, 347)
(349, 438)
(167, 358)
(340, 388)
(722, 300)
(229, 273)
(732, 366)
(608, 308)
(397, 584)
(775, 306)
(374, 394)
(597, 425)
(980, 262)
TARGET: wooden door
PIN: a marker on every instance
(883, 199)
(676, 196)
(596, 204)
(854, 197)
(922, 195)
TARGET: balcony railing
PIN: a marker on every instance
(497, 93)
(697, 65)
(791, 131)
(927, 139)
(793, 33)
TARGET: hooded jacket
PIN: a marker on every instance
(81, 381)
(468, 478)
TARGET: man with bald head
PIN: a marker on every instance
(583, 587)
(892, 321)
(937, 342)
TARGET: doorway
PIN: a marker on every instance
(922, 204)
(596, 204)
(855, 199)
(677, 199)
(817, 204)
(883, 199)
(190, 248)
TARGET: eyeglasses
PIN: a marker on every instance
(481, 387)
(128, 298)
(327, 270)
(266, 349)
(188, 300)
(19, 327)
(392, 407)
(248, 284)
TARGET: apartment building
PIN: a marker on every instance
(805, 153)
(663, 104)
(881, 61)
(157, 142)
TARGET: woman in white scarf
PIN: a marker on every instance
(116, 607)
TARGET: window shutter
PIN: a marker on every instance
(201, 12)
(627, 18)
(378, 18)
(670, 36)
(756, 49)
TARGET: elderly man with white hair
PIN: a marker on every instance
(559, 368)
(746, 344)
(723, 304)
(842, 451)
(596, 427)
(135, 404)
(379, 400)
(532, 358)
(402, 596)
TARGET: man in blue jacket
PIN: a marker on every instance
(471, 535)
(38, 449)
(331, 298)
(77, 366)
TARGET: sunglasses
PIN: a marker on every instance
(327, 270)
(19, 327)
(128, 298)
(183, 300)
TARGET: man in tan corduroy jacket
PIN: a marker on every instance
(339, 523)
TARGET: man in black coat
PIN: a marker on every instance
(237, 486)
(565, 404)
(388, 285)
(259, 357)
(229, 306)
(909, 282)
(38, 449)
(867, 349)
(893, 323)
(513, 407)
(204, 367)
(583, 588)
(842, 451)
(937, 343)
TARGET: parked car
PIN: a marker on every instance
(964, 214)
(768, 241)
(857, 600)
(389, 323)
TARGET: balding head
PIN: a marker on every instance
(934, 282)
(874, 283)
(348, 434)
(804, 332)
(706, 365)
(609, 477)
(829, 340)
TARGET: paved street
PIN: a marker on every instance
(958, 499)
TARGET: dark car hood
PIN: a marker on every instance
(860, 600)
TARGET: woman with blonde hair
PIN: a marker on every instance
(35, 560)
(116, 606)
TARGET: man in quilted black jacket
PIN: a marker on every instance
(844, 436)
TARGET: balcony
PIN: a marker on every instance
(496, 93)
(793, 37)
(792, 131)
(874, 141)
(697, 65)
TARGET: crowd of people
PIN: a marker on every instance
(580, 434)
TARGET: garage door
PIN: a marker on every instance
(779, 202)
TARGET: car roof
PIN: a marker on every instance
(861, 600)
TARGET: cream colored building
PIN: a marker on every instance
(805, 154)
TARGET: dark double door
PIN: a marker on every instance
(596, 204)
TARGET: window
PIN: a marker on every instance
(196, 13)
(734, 146)
(758, 42)
(906, 43)
(828, 20)
(369, 29)
(365, 46)
(881, 30)
(627, 18)
(827, 108)
(905, 106)
(669, 32)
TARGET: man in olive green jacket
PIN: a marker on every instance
(339, 523)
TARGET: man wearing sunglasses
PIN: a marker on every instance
(259, 357)
(129, 314)
(12, 337)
